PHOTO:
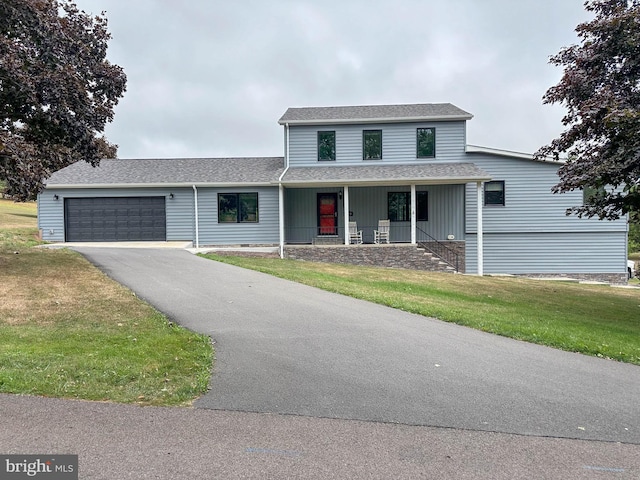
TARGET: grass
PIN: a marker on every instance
(67, 330)
(590, 319)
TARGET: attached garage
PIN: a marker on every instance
(111, 219)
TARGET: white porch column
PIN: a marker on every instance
(413, 214)
(281, 218)
(479, 230)
(346, 214)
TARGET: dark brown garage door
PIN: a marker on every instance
(114, 219)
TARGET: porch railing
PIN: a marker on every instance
(439, 249)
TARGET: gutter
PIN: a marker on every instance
(382, 182)
(157, 185)
(342, 121)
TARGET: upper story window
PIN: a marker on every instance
(372, 145)
(494, 192)
(238, 207)
(326, 146)
(426, 142)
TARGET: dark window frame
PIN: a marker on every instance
(422, 206)
(365, 133)
(397, 210)
(419, 148)
(495, 197)
(238, 212)
(322, 147)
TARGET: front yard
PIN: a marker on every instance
(591, 319)
(67, 330)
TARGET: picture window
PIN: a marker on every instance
(238, 207)
(399, 206)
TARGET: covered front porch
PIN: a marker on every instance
(422, 220)
(424, 204)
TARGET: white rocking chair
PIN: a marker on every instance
(382, 233)
(355, 235)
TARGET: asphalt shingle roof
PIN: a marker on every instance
(171, 171)
(373, 113)
(247, 171)
(424, 173)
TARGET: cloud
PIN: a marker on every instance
(211, 78)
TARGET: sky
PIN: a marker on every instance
(211, 78)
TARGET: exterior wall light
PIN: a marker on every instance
(56, 197)
(171, 196)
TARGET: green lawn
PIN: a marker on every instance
(595, 320)
(67, 330)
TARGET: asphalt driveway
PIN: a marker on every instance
(287, 348)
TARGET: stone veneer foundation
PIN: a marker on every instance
(403, 255)
(385, 255)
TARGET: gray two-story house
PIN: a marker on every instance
(349, 170)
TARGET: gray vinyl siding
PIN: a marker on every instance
(264, 231)
(529, 204)
(180, 214)
(51, 216)
(547, 253)
(369, 205)
(531, 233)
(398, 143)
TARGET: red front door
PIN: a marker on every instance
(328, 213)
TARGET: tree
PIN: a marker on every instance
(57, 91)
(600, 88)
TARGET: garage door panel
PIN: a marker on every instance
(115, 219)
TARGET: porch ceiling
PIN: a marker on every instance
(422, 174)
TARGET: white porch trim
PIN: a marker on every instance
(479, 230)
(346, 214)
(413, 214)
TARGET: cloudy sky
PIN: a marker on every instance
(211, 78)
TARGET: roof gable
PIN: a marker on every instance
(373, 114)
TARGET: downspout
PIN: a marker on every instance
(195, 202)
(281, 191)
